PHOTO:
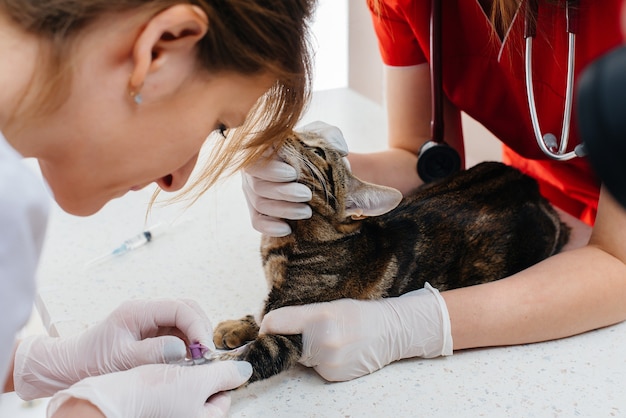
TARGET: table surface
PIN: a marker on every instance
(212, 255)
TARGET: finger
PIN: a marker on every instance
(282, 210)
(202, 314)
(276, 208)
(289, 320)
(272, 170)
(165, 349)
(290, 192)
(219, 376)
(272, 227)
(332, 134)
(176, 313)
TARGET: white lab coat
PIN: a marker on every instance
(24, 207)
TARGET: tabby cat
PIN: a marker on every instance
(365, 242)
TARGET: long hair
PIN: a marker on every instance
(248, 37)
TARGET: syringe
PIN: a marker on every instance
(135, 242)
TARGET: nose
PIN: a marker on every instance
(177, 179)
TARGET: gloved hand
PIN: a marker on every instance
(160, 390)
(136, 333)
(272, 192)
(347, 338)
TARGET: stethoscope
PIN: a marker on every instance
(548, 142)
(436, 159)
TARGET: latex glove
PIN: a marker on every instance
(348, 338)
(136, 333)
(272, 192)
(160, 390)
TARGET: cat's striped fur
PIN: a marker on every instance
(477, 226)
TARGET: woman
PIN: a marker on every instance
(483, 74)
(109, 97)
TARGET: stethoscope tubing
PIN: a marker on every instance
(436, 73)
(554, 151)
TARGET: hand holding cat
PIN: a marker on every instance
(347, 338)
(136, 333)
(160, 390)
(272, 192)
(273, 195)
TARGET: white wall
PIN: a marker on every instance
(330, 44)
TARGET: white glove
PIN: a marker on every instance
(160, 390)
(272, 192)
(348, 338)
(136, 333)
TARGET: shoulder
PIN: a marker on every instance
(23, 199)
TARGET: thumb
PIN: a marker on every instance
(285, 321)
(164, 349)
(219, 376)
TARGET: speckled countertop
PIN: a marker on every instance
(212, 256)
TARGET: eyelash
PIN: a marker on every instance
(221, 129)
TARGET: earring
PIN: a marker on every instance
(135, 93)
(137, 98)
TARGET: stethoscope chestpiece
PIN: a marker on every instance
(437, 160)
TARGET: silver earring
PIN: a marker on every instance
(135, 93)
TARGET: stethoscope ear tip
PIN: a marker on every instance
(580, 150)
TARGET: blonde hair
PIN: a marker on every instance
(248, 37)
(502, 13)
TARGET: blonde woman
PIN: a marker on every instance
(110, 96)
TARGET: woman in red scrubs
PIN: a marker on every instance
(578, 290)
(483, 75)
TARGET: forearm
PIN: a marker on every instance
(395, 168)
(570, 293)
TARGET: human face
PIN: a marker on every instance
(103, 153)
(98, 144)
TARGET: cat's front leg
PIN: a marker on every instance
(235, 332)
(268, 354)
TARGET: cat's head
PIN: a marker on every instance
(338, 196)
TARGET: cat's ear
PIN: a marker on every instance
(366, 199)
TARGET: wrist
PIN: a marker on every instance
(26, 370)
(74, 407)
(36, 373)
(425, 324)
(93, 395)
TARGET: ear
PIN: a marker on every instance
(168, 40)
(366, 199)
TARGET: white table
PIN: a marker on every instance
(213, 257)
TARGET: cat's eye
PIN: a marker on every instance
(319, 151)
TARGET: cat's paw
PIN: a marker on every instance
(235, 333)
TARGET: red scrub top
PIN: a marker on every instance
(484, 77)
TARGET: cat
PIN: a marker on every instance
(365, 241)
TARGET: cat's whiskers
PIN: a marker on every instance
(317, 174)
